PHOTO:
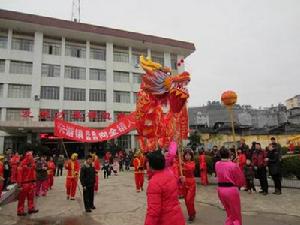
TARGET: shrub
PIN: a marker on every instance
(291, 166)
(284, 150)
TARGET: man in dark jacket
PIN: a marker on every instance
(277, 146)
(87, 180)
(273, 159)
(259, 162)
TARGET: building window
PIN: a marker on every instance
(158, 57)
(48, 114)
(97, 95)
(2, 65)
(75, 50)
(76, 73)
(50, 70)
(52, 48)
(1, 92)
(134, 97)
(121, 54)
(16, 114)
(124, 141)
(74, 115)
(98, 53)
(22, 44)
(3, 41)
(135, 56)
(97, 74)
(74, 94)
(121, 77)
(49, 92)
(118, 114)
(137, 78)
(122, 97)
(19, 67)
(97, 116)
(19, 91)
(173, 62)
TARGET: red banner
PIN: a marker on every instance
(79, 133)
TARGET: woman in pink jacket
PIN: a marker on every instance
(163, 207)
(230, 178)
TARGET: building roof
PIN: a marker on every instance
(83, 27)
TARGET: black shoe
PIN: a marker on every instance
(277, 193)
(88, 211)
(265, 193)
(261, 192)
(191, 219)
(33, 211)
(22, 214)
(93, 208)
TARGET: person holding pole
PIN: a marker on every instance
(189, 183)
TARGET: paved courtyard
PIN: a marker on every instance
(118, 204)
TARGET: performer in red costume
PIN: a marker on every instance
(26, 179)
(51, 172)
(203, 168)
(241, 159)
(189, 183)
(230, 178)
(1, 174)
(73, 168)
(97, 166)
(14, 163)
(138, 164)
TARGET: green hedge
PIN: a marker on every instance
(291, 166)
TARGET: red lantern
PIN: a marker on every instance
(229, 98)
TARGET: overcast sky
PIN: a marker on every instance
(250, 46)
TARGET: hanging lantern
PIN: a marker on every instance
(229, 98)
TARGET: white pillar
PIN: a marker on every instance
(130, 55)
(36, 74)
(132, 141)
(1, 144)
(62, 74)
(109, 78)
(87, 81)
(9, 38)
(148, 52)
(181, 68)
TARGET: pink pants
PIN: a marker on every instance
(230, 198)
(41, 187)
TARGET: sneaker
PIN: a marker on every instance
(138, 191)
(33, 211)
(22, 214)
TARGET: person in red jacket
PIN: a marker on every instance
(26, 179)
(189, 183)
(241, 159)
(138, 164)
(73, 167)
(14, 163)
(230, 179)
(97, 166)
(203, 168)
(163, 206)
(1, 174)
(51, 172)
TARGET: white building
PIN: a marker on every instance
(49, 65)
(293, 102)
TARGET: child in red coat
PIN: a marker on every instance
(163, 206)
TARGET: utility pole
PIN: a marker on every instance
(75, 17)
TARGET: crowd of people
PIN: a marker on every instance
(257, 163)
(170, 177)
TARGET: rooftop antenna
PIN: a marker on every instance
(76, 11)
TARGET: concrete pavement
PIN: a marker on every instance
(118, 204)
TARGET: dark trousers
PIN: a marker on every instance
(59, 170)
(262, 176)
(250, 184)
(277, 182)
(88, 197)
